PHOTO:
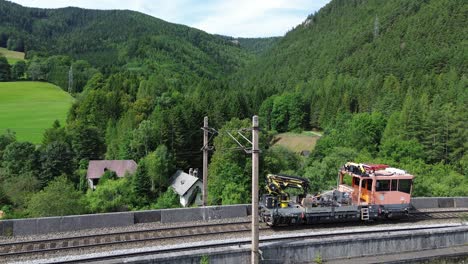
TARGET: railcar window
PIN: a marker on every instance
(405, 186)
(369, 185)
(356, 181)
(394, 185)
(347, 181)
(382, 185)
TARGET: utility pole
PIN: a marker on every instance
(376, 27)
(255, 154)
(255, 165)
(205, 160)
(70, 79)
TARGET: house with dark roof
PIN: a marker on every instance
(97, 168)
(188, 186)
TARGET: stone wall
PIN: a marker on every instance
(79, 222)
(45, 225)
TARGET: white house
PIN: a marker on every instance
(188, 187)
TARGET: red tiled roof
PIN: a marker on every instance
(96, 168)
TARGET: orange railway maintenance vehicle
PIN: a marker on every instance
(364, 192)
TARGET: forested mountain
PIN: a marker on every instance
(366, 42)
(258, 45)
(368, 56)
(255, 45)
(112, 38)
(385, 80)
(142, 88)
(364, 38)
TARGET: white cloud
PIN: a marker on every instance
(170, 10)
(239, 18)
(258, 18)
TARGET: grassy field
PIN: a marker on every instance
(12, 56)
(298, 142)
(28, 108)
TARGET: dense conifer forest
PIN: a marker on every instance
(386, 82)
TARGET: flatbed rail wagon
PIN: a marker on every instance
(364, 192)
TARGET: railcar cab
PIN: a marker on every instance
(376, 184)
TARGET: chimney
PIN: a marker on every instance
(195, 172)
(190, 172)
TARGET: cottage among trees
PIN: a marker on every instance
(188, 186)
(97, 168)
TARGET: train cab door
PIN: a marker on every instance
(362, 187)
(356, 190)
(366, 190)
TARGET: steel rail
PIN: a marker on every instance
(120, 233)
(244, 242)
(189, 232)
(100, 240)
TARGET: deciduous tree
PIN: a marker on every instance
(20, 158)
(111, 196)
(5, 69)
(59, 197)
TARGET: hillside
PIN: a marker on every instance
(386, 82)
(359, 56)
(28, 108)
(141, 69)
(117, 37)
(256, 46)
(365, 38)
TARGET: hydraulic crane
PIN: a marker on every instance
(277, 185)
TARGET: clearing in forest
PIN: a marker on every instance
(28, 108)
(12, 56)
(298, 142)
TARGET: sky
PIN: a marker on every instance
(237, 18)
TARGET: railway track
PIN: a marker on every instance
(245, 243)
(25, 248)
(447, 214)
(50, 247)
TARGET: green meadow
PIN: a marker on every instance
(28, 108)
(12, 56)
(297, 142)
